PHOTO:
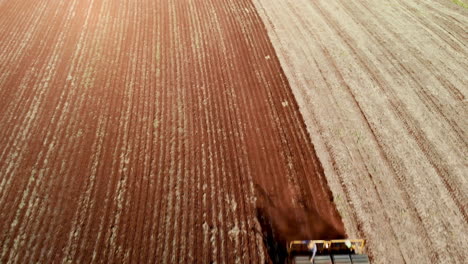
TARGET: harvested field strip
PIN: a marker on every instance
(382, 87)
(149, 132)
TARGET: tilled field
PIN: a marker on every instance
(167, 132)
(149, 132)
(382, 86)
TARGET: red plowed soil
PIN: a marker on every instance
(149, 131)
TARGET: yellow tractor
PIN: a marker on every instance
(342, 251)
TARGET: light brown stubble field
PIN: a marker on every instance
(382, 87)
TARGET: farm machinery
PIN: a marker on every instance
(345, 251)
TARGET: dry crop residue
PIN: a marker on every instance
(383, 87)
(144, 131)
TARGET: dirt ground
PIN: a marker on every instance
(207, 131)
(150, 132)
(382, 86)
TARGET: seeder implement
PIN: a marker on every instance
(342, 251)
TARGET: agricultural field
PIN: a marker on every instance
(200, 131)
(382, 87)
(141, 131)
